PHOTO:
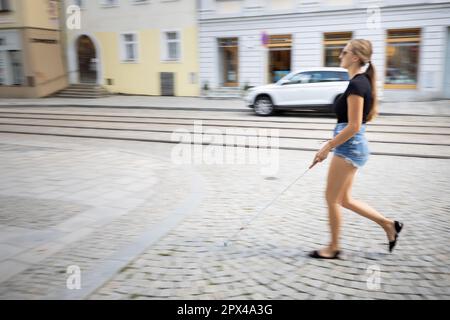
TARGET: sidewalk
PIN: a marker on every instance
(427, 108)
(139, 226)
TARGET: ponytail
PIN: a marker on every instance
(373, 81)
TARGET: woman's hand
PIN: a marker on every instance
(322, 154)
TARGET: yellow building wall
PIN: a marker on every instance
(15, 16)
(46, 60)
(143, 76)
(37, 14)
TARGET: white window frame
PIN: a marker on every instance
(123, 50)
(165, 46)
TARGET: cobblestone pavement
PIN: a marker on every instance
(141, 227)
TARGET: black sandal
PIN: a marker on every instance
(315, 254)
(398, 227)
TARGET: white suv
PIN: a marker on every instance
(312, 88)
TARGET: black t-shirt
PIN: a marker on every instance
(359, 85)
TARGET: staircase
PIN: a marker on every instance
(82, 90)
(223, 93)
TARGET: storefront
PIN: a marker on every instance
(410, 44)
(402, 58)
(334, 43)
(229, 66)
(31, 63)
(279, 56)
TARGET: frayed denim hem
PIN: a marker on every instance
(348, 160)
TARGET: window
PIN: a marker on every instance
(5, 5)
(172, 46)
(317, 76)
(16, 67)
(334, 43)
(11, 68)
(129, 47)
(329, 76)
(79, 3)
(402, 56)
(192, 78)
(110, 3)
(303, 77)
(53, 9)
(2, 68)
(279, 56)
(282, 4)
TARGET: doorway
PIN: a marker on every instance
(87, 60)
(229, 53)
(279, 57)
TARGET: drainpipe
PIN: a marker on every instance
(63, 37)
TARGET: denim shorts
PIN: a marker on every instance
(356, 149)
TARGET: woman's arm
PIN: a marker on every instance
(355, 116)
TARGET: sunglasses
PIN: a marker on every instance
(344, 52)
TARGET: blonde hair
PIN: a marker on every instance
(363, 50)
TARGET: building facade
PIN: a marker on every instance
(255, 42)
(31, 56)
(144, 47)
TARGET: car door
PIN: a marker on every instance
(294, 91)
(330, 84)
(312, 95)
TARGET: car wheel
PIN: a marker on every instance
(264, 106)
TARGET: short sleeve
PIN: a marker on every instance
(357, 87)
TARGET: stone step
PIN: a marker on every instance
(81, 90)
(76, 96)
(223, 93)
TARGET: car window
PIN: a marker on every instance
(328, 76)
(306, 77)
(317, 76)
(302, 77)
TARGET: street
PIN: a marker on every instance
(100, 191)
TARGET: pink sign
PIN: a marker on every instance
(264, 39)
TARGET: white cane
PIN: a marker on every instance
(226, 243)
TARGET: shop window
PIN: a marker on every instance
(402, 57)
(279, 56)
(334, 43)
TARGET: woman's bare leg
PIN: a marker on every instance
(339, 173)
(365, 210)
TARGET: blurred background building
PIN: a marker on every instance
(31, 57)
(144, 47)
(255, 42)
(182, 47)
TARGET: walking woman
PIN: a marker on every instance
(356, 106)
